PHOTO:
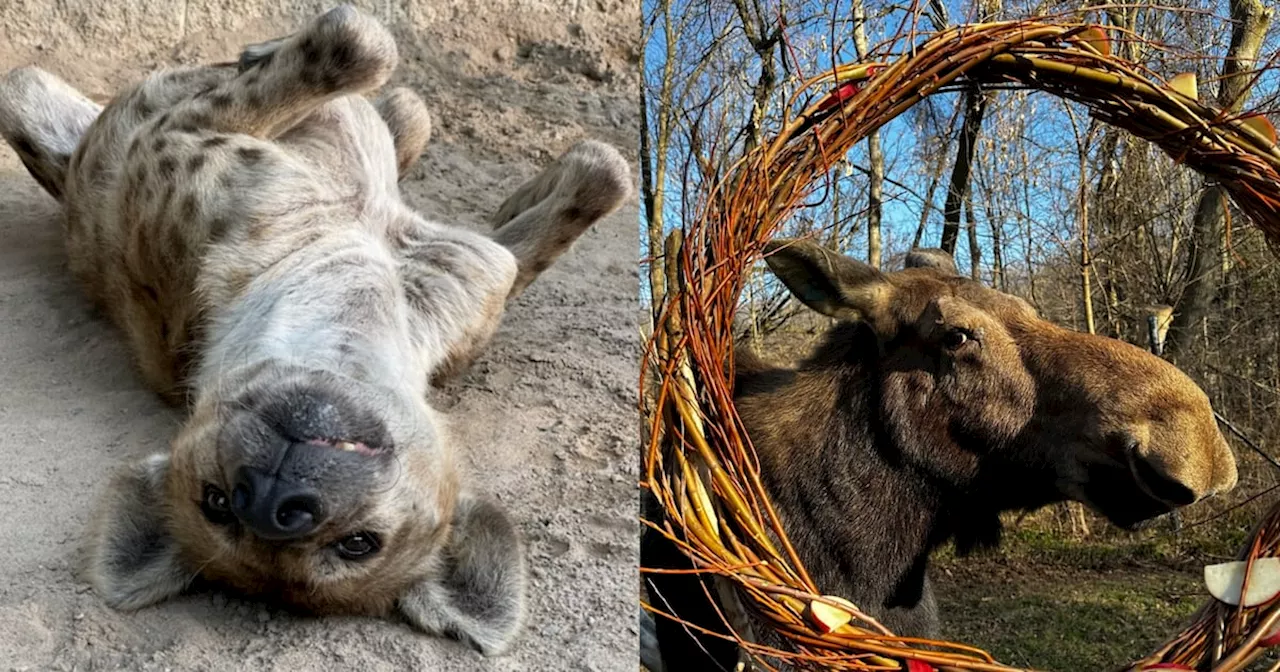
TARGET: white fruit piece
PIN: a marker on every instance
(1225, 581)
(826, 617)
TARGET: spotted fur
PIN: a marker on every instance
(243, 226)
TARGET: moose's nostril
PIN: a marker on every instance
(1162, 486)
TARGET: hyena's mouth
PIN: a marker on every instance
(357, 447)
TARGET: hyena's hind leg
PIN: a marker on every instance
(43, 118)
(546, 214)
(283, 81)
(536, 225)
(409, 122)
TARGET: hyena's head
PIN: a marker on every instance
(322, 492)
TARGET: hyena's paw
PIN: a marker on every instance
(342, 50)
(586, 183)
(546, 214)
(407, 118)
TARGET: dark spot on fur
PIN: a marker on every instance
(164, 119)
(250, 155)
(167, 166)
(159, 145)
(219, 227)
(215, 141)
(253, 99)
(190, 207)
(134, 146)
(151, 293)
(139, 174)
(23, 144)
(331, 80)
(221, 101)
(310, 50)
(195, 163)
(343, 55)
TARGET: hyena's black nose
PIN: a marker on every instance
(273, 508)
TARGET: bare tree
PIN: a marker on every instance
(875, 158)
(1251, 19)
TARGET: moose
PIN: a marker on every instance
(934, 404)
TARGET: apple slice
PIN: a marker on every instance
(1225, 582)
(827, 618)
(1261, 124)
(1272, 637)
(1095, 39)
(1186, 84)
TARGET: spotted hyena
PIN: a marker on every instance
(242, 224)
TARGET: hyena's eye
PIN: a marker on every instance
(215, 506)
(359, 545)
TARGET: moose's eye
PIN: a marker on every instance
(358, 546)
(215, 506)
(954, 338)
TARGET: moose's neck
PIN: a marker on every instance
(862, 516)
(332, 307)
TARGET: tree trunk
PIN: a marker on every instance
(975, 252)
(934, 177)
(875, 189)
(764, 41)
(975, 106)
(1251, 19)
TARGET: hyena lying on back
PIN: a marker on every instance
(242, 224)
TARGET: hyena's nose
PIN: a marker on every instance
(274, 508)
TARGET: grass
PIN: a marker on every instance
(1052, 603)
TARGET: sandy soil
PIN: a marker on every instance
(548, 415)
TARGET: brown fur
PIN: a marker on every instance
(242, 225)
(937, 404)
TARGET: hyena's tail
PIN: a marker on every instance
(43, 119)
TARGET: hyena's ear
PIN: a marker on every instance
(478, 595)
(132, 559)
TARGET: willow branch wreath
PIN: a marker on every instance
(698, 461)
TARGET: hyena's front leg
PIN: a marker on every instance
(283, 81)
(546, 214)
(43, 118)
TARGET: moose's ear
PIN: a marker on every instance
(133, 560)
(932, 257)
(829, 282)
(477, 595)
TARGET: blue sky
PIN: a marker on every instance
(1034, 123)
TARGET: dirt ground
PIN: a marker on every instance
(547, 415)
